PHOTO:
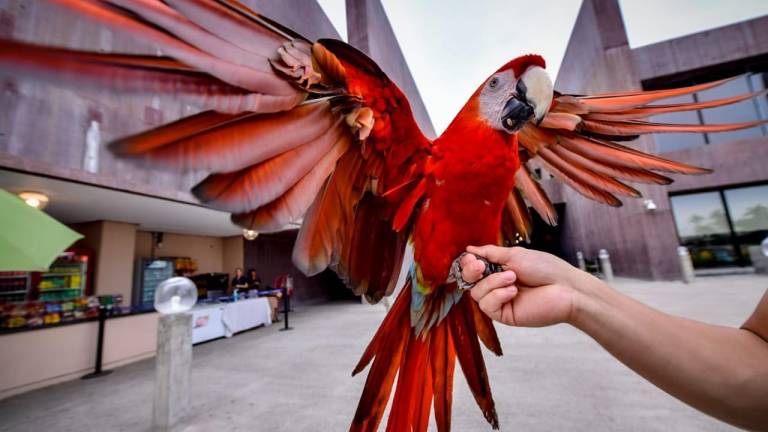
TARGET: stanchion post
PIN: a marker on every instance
(287, 291)
(97, 369)
(582, 264)
(605, 265)
(686, 264)
(286, 309)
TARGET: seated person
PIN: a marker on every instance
(254, 281)
(239, 282)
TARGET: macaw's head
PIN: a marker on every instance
(519, 92)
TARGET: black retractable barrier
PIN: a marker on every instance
(97, 370)
(286, 309)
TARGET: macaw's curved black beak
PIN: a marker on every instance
(515, 114)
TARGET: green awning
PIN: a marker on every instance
(29, 239)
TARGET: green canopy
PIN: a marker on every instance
(29, 239)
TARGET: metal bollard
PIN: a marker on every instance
(605, 265)
(686, 264)
(580, 261)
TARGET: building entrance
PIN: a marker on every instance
(719, 225)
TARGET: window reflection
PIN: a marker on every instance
(702, 225)
(719, 227)
(744, 111)
(749, 208)
(678, 141)
(699, 215)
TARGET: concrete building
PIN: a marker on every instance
(717, 216)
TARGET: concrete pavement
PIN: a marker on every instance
(264, 380)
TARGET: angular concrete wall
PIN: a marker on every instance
(598, 59)
(708, 48)
(369, 30)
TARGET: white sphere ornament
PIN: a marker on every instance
(175, 295)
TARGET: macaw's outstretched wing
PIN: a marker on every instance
(577, 142)
(291, 126)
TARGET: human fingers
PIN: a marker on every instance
(492, 282)
(495, 254)
(494, 303)
(471, 268)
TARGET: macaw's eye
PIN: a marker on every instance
(494, 82)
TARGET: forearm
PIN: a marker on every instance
(719, 370)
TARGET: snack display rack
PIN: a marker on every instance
(14, 286)
(35, 314)
(66, 279)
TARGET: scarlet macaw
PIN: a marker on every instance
(294, 128)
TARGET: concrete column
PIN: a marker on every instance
(172, 371)
(686, 264)
(605, 265)
(113, 244)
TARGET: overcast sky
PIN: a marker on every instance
(451, 46)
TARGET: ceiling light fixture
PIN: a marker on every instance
(34, 199)
(250, 234)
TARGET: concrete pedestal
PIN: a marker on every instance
(759, 261)
(686, 264)
(580, 261)
(605, 265)
(172, 371)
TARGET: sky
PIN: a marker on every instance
(451, 46)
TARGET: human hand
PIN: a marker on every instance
(535, 289)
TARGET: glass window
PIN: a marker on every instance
(676, 141)
(735, 113)
(758, 82)
(748, 208)
(703, 227)
(699, 214)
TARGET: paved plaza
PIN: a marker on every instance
(553, 379)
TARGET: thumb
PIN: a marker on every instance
(494, 254)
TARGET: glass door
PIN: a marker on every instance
(702, 224)
(719, 227)
(748, 209)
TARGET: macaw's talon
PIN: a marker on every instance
(455, 273)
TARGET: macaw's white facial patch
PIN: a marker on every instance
(538, 90)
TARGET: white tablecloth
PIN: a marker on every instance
(246, 314)
(213, 321)
(207, 323)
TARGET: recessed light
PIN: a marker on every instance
(34, 199)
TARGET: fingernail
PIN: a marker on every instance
(512, 290)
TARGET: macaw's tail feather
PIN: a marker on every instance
(425, 363)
